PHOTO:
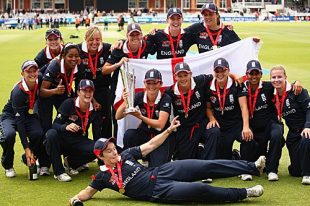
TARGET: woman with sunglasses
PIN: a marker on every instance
(153, 110)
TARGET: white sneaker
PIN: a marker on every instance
(255, 191)
(10, 172)
(68, 169)
(246, 177)
(44, 171)
(209, 180)
(64, 177)
(260, 164)
(305, 180)
(273, 176)
(82, 168)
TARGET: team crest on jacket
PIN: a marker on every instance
(85, 61)
(220, 39)
(197, 94)
(73, 117)
(181, 43)
(178, 102)
(101, 60)
(231, 98)
(287, 102)
(203, 35)
(263, 97)
(165, 44)
(157, 113)
(213, 99)
(130, 163)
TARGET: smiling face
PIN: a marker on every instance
(86, 95)
(53, 42)
(30, 75)
(134, 38)
(93, 41)
(278, 78)
(221, 74)
(184, 80)
(71, 58)
(210, 18)
(110, 155)
(152, 87)
(175, 22)
(254, 77)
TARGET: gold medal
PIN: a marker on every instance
(186, 115)
(30, 111)
(121, 190)
(214, 47)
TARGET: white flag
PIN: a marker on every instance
(237, 54)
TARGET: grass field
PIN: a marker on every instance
(283, 43)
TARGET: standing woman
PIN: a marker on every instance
(173, 41)
(18, 115)
(295, 109)
(94, 54)
(154, 111)
(53, 48)
(211, 33)
(57, 83)
(227, 110)
(189, 96)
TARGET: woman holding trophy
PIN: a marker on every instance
(153, 108)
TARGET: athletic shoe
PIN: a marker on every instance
(10, 172)
(273, 176)
(64, 177)
(209, 180)
(82, 168)
(246, 177)
(44, 171)
(305, 180)
(69, 170)
(260, 164)
(255, 191)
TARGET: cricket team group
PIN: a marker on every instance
(187, 130)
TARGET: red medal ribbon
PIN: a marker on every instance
(92, 65)
(52, 54)
(221, 98)
(280, 105)
(84, 118)
(119, 180)
(150, 110)
(172, 45)
(252, 100)
(69, 84)
(188, 98)
(31, 94)
(214, 42)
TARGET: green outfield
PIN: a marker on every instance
(283, 43)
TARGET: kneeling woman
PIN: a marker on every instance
(69, 134)
(296, 112)
(154, 111)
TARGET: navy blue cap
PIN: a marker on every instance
(101, 144)
(173, 11)
(221, 63)
(153, 74)
(28, 64)
(84, 83)
(182, 67)
(55, 32)
(133, 27)
(210, 7)
(253, 65)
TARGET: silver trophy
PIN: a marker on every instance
(128, 77)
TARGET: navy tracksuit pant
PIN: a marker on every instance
(299, 152)
(272, 133)
(226, 139)
(35, 136)
(175, 181)
(188, 138)
(45, 109)
(78, 149)
(161, 155)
